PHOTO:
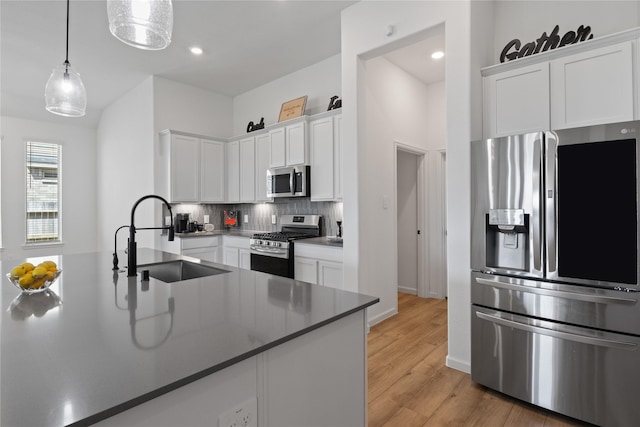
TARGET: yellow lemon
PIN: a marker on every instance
(50, 275)
(26, 280)
(18, 271)
(37, 283)
(50, 265)
(39, 272)
(27, 266)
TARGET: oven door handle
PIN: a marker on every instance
(601, 342)
(579, 296)
(269, 251)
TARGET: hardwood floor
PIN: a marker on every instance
(409, 384)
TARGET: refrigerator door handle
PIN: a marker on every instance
(550, 200)
(535, 208)
(556, 333)
(579, 296)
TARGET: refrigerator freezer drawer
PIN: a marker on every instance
(580, 305)
(583, 373)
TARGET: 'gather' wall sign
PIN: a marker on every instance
(514, 49)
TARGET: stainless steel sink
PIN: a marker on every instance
(176, 271)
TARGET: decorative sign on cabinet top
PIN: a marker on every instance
(292, 109)
(514, 49)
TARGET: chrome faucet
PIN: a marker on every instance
(132, 263)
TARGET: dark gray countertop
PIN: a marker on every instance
(112, 344)
(322, 241)
(223, 232)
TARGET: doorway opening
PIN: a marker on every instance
(410, 220)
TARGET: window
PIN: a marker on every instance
(43, 192)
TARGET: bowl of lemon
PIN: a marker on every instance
(32, 279)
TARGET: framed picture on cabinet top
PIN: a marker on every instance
(292, 109)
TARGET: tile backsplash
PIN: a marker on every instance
(259, 214)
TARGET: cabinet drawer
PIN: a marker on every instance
(236, 242)
(327, 253)
(200, 242)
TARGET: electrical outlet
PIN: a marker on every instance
(206, 219)
(243, 415)
(273, 219)
(167, 221)
(246, 219)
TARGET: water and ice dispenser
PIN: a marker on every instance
(507, 237)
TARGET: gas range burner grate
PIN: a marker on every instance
(282, 236)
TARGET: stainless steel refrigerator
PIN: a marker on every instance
(555, 270)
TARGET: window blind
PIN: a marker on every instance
(43, 192)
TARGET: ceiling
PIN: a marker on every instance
(246, 44)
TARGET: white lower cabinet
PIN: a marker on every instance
(236, 252)
(320, 265)
(292, 384)
(206, 248)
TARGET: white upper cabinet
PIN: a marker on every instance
(184, 169)
(263, 155)
(296, 144)
(592, 82)
(326, 158)
(289, 145)
(212, 171)
(517, 101)
(193, 166)
(593, 87)
(233, 171)
(247, 170)
(277, 152)
(337, 157)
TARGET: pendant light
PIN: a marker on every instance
(64, 93)
(145, 24)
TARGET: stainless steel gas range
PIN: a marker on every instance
(273, 252)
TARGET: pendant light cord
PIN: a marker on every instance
(66, 59)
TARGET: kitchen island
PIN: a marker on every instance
(102, 348)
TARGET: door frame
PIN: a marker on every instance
(422, 214)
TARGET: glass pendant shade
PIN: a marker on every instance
(64, 93)
(145, 24)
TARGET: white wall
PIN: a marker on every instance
(125, 166)
(527, 20)
(78, 186)
(364, 32)
(319, 82)
(187, 108)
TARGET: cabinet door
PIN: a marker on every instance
(212, 171)
(263, 153)
(330, 274)
(231, 256)
(296, 140)
(277, 142)
(516, 101)
(337, 157)
(305, 269)
(233, 171)
(244, 260)
(247, 170)
(593, 87)
(185, 169)
(208, 254)
(322, 158)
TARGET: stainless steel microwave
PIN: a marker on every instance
(292, 181)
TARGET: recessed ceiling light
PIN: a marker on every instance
(437, 55)
(196, 50)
